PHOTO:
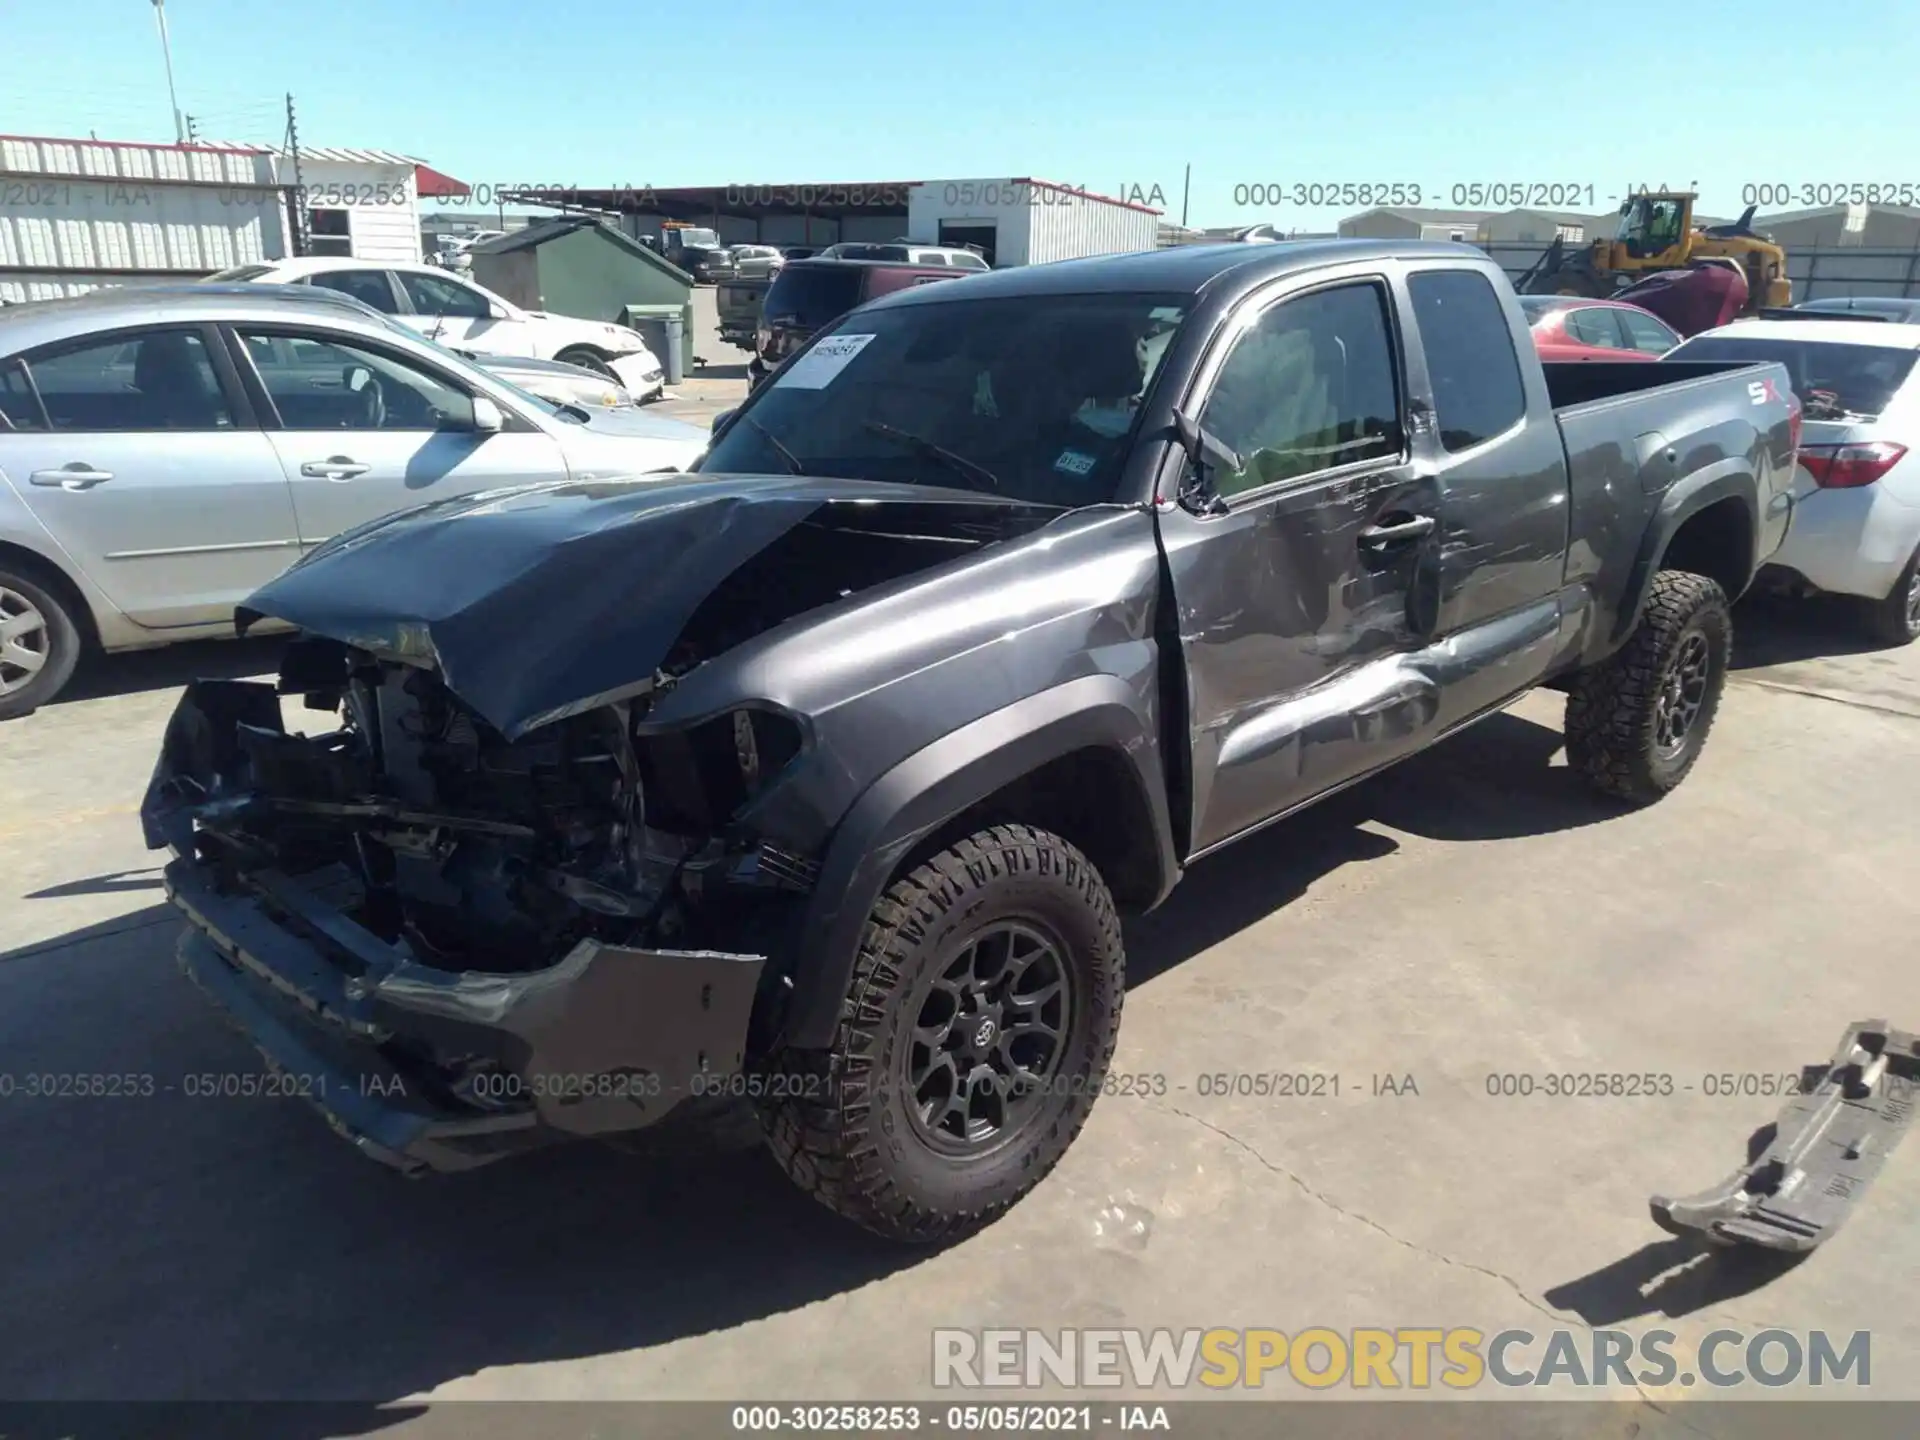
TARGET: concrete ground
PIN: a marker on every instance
(1474, 912)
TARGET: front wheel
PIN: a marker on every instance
(974, 1039)
(1636, 722)
(587, 360)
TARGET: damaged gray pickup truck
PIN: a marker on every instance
(820, 777)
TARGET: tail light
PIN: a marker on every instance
(1847, 467)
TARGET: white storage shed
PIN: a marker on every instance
(1022, 221)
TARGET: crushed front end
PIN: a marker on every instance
(459, 945)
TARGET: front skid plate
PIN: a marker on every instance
(1827, 1148)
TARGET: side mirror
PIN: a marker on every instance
(721, 419)
(1205, 453)
(488, 418)
(495, 311)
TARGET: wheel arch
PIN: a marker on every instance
(1707, 524)
(1083, 757)
(54, 577)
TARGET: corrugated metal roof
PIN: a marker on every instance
(134, 162)
(356, 157)
(339, 154)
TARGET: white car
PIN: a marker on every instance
(466, 317)
(1856, 511)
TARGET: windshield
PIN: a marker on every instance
(705, 238)
(1538, 307)
(1834, 382)
(1034, 397)
(464, 364)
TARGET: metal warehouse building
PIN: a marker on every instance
(1021, 221)
(76, 214)
(1014, 221)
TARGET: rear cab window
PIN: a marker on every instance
(1833, 381)
(813, 295)
(1471, 363)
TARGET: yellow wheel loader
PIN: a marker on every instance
(1656, 233)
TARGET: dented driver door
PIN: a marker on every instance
(1301, 603)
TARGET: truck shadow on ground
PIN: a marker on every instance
(135, 671)
(1776, 630)
(269, 1261)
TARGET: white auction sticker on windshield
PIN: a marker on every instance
(815, 369)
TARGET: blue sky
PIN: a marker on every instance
(1120, 93)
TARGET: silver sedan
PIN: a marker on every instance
(165, 451)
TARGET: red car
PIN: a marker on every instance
(1565, 327)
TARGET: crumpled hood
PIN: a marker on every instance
(542, 601)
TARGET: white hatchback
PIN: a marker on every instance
(466, 317)
(1856, 511)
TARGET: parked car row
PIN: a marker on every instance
(165, 451)
(467, 317)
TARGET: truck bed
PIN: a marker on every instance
(1582, 382)
(1634, 432)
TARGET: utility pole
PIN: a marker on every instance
(297, 205)
(1186, 187)
(166, 53)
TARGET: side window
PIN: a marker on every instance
(329, 232)
(1311, 385)
(162, 380)
(1595, 325)
(370, 287)
(318, 382)
(1470, 360)
(18, 409)
(1647, 334)
(432, 295)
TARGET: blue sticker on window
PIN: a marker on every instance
(1074, 462)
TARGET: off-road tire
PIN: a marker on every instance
(1894, 620)
(842, 1130)
(1612, 708)
(58, 640)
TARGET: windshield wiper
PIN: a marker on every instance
(920, 445)
(792, 461)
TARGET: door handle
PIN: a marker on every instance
(75, 476)
(1399, 532)
(334, 467)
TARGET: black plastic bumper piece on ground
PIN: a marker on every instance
(1827, 1149)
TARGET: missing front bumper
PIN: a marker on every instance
(607, 1040)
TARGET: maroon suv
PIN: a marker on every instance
(809, 295)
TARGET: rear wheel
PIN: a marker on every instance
(1636, 722)
(587, 360)
(975, 1036)
(39, 642)
(1896, 619)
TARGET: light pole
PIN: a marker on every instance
(166, 53)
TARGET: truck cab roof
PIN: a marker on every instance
(1193, 269)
